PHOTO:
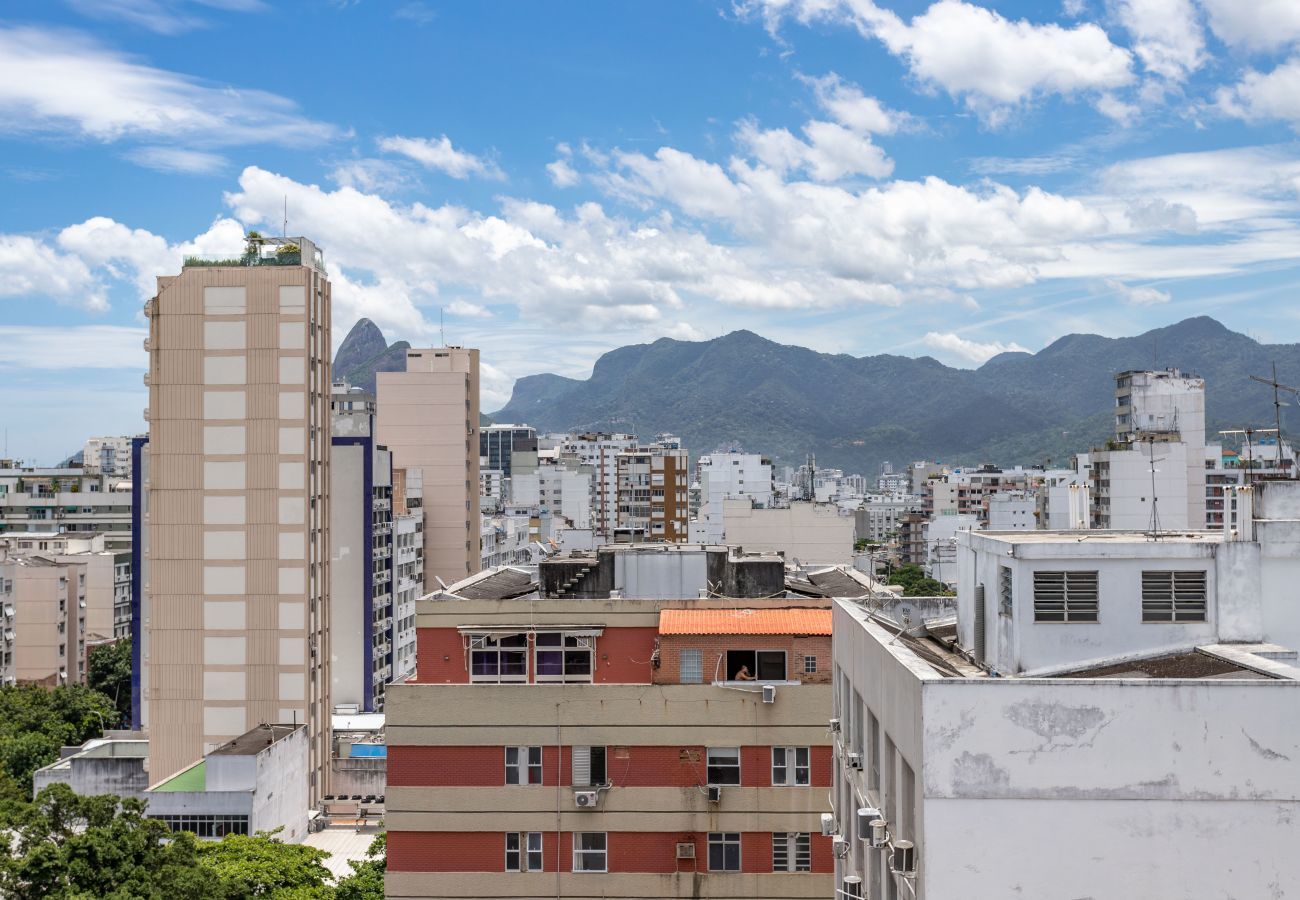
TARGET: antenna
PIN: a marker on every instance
(1247, 432)
(442, 333)
(1155, 516)
(1278, 403)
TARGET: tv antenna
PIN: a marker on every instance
(1278, 403)
(1250, 460)
(284, 224)
(442, 332)
(1155, 515)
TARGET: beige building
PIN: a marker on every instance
(428, 418)
(44, 621)
(108, 575)
(235, 519)
(653, 483)
(808, 532)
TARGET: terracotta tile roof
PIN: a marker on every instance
(745, 621)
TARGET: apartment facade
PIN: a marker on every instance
(498, 443)
(600, 451)
(58, 500)
(653, 501)
(602, 743)
(107, 456)
(43, 602)
(108, 575)
(428, 416)
(234, 521)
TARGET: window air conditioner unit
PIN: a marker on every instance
(834, 726)
(904, 858)
(852, 887)
(879, 833)
(866, 815)
(586, 799)
(715, 794)
(686, 850)
(839, 848)
(853, 761)
(828, 824)
(769, 693)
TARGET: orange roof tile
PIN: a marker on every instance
(745, 621)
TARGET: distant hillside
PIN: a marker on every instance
(364, 352)
(854, 412)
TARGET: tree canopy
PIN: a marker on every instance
(36, 721)
(110, 674)
(915, 583)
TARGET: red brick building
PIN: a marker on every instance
(582, 736)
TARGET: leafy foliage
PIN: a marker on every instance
(110, 674)
(260, 866)
(915, 583)
(35, 722)
(367, 879)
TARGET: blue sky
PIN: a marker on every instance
(561, 178)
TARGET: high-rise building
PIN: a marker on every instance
(428, 418)
(44, 626)
(600, 451)
(65, 500)
(653, 501)
(107, 456)
(108, 580)
(234, 523)
(497, 444)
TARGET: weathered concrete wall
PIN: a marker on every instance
(281, 797)
(358, 776)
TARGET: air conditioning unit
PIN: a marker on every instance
(839, 847)
(686, 850)
(866, 815)
(586, 799)
(769, 693)
(828, 824)
(904, 858)
(879, 833)
(834, 726)
(852, 889)
(715, 794)
(853, 761)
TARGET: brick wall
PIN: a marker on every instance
(622, 656)
(713, 646)
(628, 851)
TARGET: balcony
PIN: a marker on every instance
(381, 503)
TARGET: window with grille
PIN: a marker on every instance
(1173, 596)
(523, 851)
(1004, 590)
(810, 665)
(1069, 597)
(690, 667)
(791, 851)
(564, 657)
(523, 765)
(723, 765)
(590, 850)
(498, 657)
(790, 766)
(724, 851)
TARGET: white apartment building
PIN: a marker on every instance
(811, 533)
(1013, 511)
(408, 567)
(107, 456)
(505, 541)
(65, 500)
(877, 517)
(600, 451)
(554, 485)
(1140, 730)
(730, 476)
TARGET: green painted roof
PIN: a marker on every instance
(195, 778)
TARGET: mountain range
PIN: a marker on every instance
(853, 412)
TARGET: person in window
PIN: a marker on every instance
(743, 674)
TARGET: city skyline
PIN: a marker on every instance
(632, 176)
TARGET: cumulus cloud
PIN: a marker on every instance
(991, 63)
(438, 153)
(467, 310)
(1265, 95)
(967, 350)
(29, 267)
(1256, 25)
(59, 348)
(58, 81)
(1167, 35)
(1137, 296)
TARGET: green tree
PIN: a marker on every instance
(36, 721)
(66, 847)
(915, 583)
(110, 674)
(367, 879)
(260, 865)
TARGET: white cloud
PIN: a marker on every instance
(1114, 108)
(992, 63)
(61, 348)
(30, 268)
(1167, 35)
(1265, 95)
(562, 173)
(465, 309)
(966, 349)
(1254, 24)
(848, 106)
(831, 151)
(438, 153)
(1137, 296)
(161, 16)
(61, 81)
(177, 159)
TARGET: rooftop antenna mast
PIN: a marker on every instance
(1155, 515)
(284, 225)
(442, 332)
(1278, 403)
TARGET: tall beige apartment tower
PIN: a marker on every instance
(235, 518)
(428, 417)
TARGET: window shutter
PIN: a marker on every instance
(581, 766)
(979, 624)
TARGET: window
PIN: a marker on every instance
(1004, 590)
(589, 769)
(1065, 597)
(810, 665)
(724, 765)
(564, 657)
(873, 752)
(498, 657)
(207, 826)
(523, 765)
(1173, 596)
(764, 665)
(724, 851)
(690, 667)
(791, 851)
(589, 851)
(523, 851)
(790, 765)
